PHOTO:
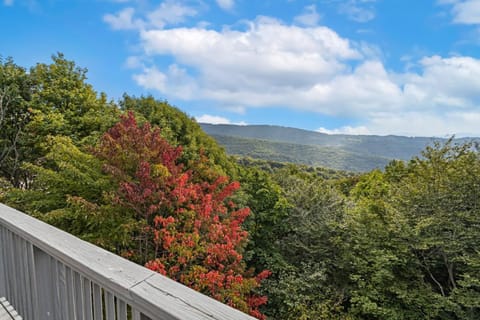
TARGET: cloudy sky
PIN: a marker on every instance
(408, 67)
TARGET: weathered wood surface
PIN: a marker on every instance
(7, 312)
(51, 274)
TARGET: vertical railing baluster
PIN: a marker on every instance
(62, 290)
(22, 268)
(6, 254)
(12, 272)
(32, 280)
(121, 309)
(109, 305)
(69, 300)
(20, 306)
(87, 299)
(78, 296)
(58, 309)
(135, 314)
(44, 282)
(97, 302)
(3, 278)
(27, 286)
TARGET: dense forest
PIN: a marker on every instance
(279, 241)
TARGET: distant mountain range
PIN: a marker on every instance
(342, 152)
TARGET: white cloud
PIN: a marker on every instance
(123, 20)
(309, 18)
(134, 62)
(267, 57)
(226, 4)
(361, 130)
(152, 78)
(269, 64)
(427, 124)
(168, 12)
(273, 64)
(460, 124)
(8, 2)
(175, 79)
(358, 10)
(467, 12)
(444, 83)
(464, 11)
(367, 89)
(206, 118)
(311, 68)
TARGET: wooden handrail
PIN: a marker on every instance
(47, 273)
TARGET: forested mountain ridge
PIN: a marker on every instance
(337, 151)
(310, 155)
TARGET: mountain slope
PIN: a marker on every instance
(343, 152)
(312, 155)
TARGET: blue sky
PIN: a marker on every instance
(408, 67)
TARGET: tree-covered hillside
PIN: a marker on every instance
(359, 153)
(385, 146)
(311, 155)
(280, 241)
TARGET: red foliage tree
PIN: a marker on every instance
(191, 231)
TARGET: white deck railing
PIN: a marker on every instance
(47, 273)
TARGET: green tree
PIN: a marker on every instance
(266, 222)
(413, 238)
(63, 103)
(385, 282)
(15, 96)
(49, 100)
(71, 191)
(311, 283)
(439, 199)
